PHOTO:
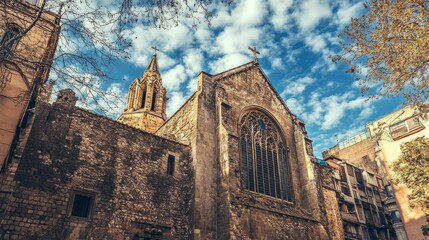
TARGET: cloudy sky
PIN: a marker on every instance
(295, 39)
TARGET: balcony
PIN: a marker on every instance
(389, 200)
(347, 198)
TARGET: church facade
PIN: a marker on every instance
(233, 162)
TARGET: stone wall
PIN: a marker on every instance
(331, 218)
(252, 215)
(124, 170)
(181, 126)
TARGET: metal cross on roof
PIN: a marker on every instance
(253, 49)
(156, 49)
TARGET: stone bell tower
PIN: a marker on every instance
(146, 103)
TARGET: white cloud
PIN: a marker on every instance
(327, 112)
(296, 105)
(174, 77)
(296, 87)
(316, 42)
(347, 11)
(281, 15)
(143, 38)
(247, 13)
(228, 61)
(176, 100)
(310, 13)
(193, 61)
(276, 63)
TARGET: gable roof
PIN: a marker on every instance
(223, 75)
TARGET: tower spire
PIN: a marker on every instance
(153, 65)
(146, 105)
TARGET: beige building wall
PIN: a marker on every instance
(388, 151)
(24, 66)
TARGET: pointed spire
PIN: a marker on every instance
(153, 65)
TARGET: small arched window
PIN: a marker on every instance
(9, 40)
(152, 107)
(264, 160)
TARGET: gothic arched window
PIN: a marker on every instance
(9, 40)
(264, 160)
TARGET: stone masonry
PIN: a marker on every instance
(72, 151)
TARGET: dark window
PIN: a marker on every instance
(264, 159)
(170, 165)
(345, 190)
(152, 108)
(343, 174)
(396, 217)
(144, 98)
(359, 177)
(82, 205)
(389, 190)
(9, 40)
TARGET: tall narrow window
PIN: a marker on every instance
(144, 98)
(9, 40)
(265, 165)
(170, 165)
(152, 108)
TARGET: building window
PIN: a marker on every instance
(350, 170)
(82, 204)
(345, 189)
(343, 174)
(396, 217)
(405, 128)
(359, 177)
(9, 40)
(170, 165)
(144, 98)
(389, 191)
(265, 165)
(152, 108)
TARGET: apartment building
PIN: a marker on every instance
(361, 197)
(375, 150)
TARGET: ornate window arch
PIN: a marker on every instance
(264, 161)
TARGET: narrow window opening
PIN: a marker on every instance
(170, 165)
(82, 205)
(144, 99)
(152, 108)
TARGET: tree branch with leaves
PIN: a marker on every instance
(388, 50)
(412, 169)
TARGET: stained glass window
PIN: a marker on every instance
(265, 165)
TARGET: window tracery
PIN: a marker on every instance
(265, 165)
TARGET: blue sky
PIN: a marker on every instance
(295, 39)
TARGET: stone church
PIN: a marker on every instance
(233, 162)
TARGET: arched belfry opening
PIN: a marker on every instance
(264, 156)
(146, 104)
